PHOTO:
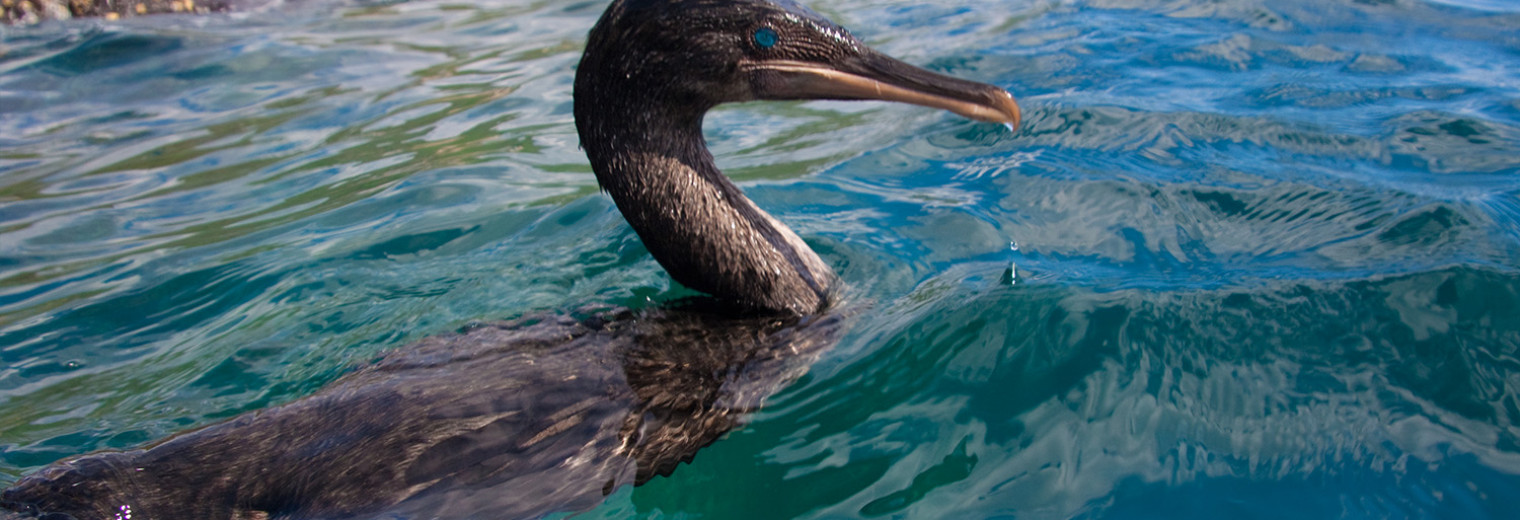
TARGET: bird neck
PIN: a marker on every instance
(651, 158)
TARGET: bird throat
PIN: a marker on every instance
(694, 221)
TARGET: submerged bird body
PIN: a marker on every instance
(505, 420)
(552, 413)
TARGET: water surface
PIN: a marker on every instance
(1244, 258)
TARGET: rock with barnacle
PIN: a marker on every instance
(34, 11)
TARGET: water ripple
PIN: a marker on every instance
(1266, 249)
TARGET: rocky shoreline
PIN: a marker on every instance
(33, 11)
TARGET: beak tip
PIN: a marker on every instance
(999, 107)
(1010, 108)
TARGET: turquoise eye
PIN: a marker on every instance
(765, 37)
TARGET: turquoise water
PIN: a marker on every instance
(1244, 258)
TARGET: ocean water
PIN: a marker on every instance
(1245, 258)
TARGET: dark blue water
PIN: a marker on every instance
(1244, 258)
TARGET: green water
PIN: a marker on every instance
(1267, 255)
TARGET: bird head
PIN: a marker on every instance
(697, 54)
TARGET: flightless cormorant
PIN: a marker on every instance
(552, 412)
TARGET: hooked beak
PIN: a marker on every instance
(873, 75)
